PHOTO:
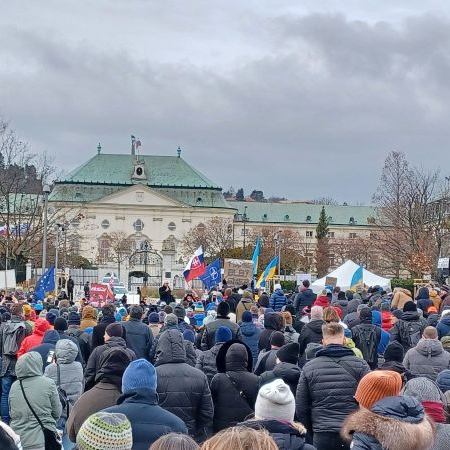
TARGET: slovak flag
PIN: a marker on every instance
(196, 266)
(111, 280)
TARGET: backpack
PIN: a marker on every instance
(367, 340)
(13, 335)
(411, 333)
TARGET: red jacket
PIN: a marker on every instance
(40, 327)
(386, 320)
(322, 301)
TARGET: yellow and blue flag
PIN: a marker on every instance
(268, 273)
(255, 257)
(358, 277)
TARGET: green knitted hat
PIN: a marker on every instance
(105, 431)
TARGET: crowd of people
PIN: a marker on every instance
(236, 369)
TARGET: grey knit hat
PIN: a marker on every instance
(275, 401)
(171, 319)
(423, 390)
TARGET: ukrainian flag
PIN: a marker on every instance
(268, 273)
(255, 257)
(358, 278)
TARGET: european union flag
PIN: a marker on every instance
(45, 284)
(213, 274)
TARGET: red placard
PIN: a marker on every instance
(99, 294)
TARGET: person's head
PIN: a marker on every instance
(228, 292)
(174, 441)
(330, 315)
(306, 284)
(16, 309)
(333, 333)
(240, 438)
(168, 309)
(105, 431)
(430, 333)
(60, 324)
(73, 319)
(247, 316)
(170, 320)
(109, 310)
(166, 284)
(423, 389)
(140, 374)
(27, 311)
(113, 330)
(287, 316)
(275, 401)
(289, 353)
(394, 352)
(341, 295)
(223, 334)
(223, 309)
(316, 313)
(276, 340)
(409, 307)
(136, 312)
(377, 385)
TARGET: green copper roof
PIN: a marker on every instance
(305, 213)
(160, 170)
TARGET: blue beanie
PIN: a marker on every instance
(189, 335)
(247, 316)
(50, 317)
(153, 317)
(223, 334)
(140, 374)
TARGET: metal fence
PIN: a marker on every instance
(79, 276)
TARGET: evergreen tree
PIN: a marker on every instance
(240, 195)
(322, 226)
(323, 247)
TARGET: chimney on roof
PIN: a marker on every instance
(179, 151)
(99, 149)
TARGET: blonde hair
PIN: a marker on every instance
(330, 315)
(331, 330)
(240, 438)
(174, 441)
(287, 316)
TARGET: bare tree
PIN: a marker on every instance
(324, 201)
(120, 247)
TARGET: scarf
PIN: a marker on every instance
(435, 410)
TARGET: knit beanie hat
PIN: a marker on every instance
(223, 309)
(74, 318)
(410, 307)
(140, 374)
(423, 390)
(114, 330)
(180, 312)
(377, 385)
(26, 309)
(60, 324)
(247, 316)
(275, 401)
(394, 352)
(277, 339)
(223, 334)
(445, 341)
(50, 317)
(289, 353)
(189, 335)
(171, 319)
(316, 313)
(105, 431)
(153, 317)
(198, 307)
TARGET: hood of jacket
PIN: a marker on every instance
(272, 321)
(395, 422)
(403, 291)
(365, 316)
(315, 326)
(88, 313)
(335, 351)
(376, 318)
(353, 305)
(234, 356)
(40, 327)
(248, 329)
(139, 396)
(429, 348)
(289, 435)
(50, 337)
(445, 320)
(410, 316)
(113, 363)
(66, 351)
(29, 365)
(288, 372)
(443, 380)
(116, 341)
(278, 293)
(322, 301)
(170, 348)
(423, 294)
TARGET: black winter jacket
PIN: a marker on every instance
(326, 388)
(148, 420)
(183, 390)
(234, 365)
(311, 332)
(209, 335)
(272, 322)
(397, 333)
(289, 373)
(98, 333)
(206, 362)
(304, 298)
(139, 338)
(287, 436)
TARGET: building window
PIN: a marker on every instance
(352, 235)
(309, 234)
(201, 227)
(244, 232)
(330, 234)
(172, 226)
(103, 252)
(105, 224)
(138, 225)
(75, 245)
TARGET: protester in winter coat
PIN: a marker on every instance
(42, 396)
(40, 327)
(423, 299)
(277, 299)
(445, 298)
(392, 423)
(244, 305)
(393, 360)
(274, 412)
(387, 319)
(443, 326)
(153, 323)
(47, 348)
(429, 395)
(138, 336)
(290, 335)
(105, 393)
(139, 402)
(206, 362)
(250, 334)
(194, 407)
(326, 388)
(312, 331)
(322, 300)
(401, 296)
(61, 327)
(73, 325)
(98, 332)
(428, 358)
(222, 319)
(443, 381)
(272, 322)
(352, 317)
(286, 368)
(385, 336)
(305, 297)
(434, 297)
(234, 388)
(267, 358)
(88, 317)
(113, 338)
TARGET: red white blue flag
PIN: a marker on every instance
(196, 266)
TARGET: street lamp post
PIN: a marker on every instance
(146, 247)
(46, 191)
(279, 241)
(244, 219)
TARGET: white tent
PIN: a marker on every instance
(344, 275)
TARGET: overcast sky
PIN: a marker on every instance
(293, 98)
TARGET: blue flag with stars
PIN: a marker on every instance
(213, 274)
(45, 284)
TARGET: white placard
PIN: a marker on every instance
(443, 263)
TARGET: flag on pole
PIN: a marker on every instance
(138, 144)
(255, 257)
(213, 274)
(268, 273)
(111, 280)
(196, 266)
(358, 278)
(45, 284)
